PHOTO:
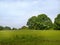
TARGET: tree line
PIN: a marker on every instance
(40, 22)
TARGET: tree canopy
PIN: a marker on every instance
(40, 22)
(57, 22)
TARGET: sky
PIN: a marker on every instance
(15, 13)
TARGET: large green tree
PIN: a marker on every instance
(40, 22)
(57, 22)
(31, 22)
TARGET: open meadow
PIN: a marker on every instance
(30, 37)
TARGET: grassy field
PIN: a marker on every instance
(30, 37)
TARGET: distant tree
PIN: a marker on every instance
(7, 28)
(1, 27)
(23, 27)
(14, 28)
(57, 22)
(40, 22)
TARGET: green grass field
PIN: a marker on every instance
(30, 37)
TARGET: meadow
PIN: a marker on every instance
(30, 37)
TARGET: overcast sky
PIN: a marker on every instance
(15, 13)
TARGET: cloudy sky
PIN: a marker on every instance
(15, 13)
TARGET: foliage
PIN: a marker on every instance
(41, 22)
(14, 28)
(31, 22)
(7, 28)
(1, 27)
(23, 27)
(57, 22)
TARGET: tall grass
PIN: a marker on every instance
(30, 37)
